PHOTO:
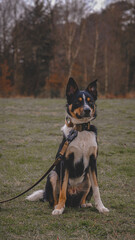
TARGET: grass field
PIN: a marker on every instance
(29, 138)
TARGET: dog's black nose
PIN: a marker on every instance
(87, 111)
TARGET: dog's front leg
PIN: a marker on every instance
(93, 177)
(87, 186)
(59, 208)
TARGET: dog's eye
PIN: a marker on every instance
(80, 99)
(88, 99)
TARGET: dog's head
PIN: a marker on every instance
(81, 104)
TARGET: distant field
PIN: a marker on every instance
(29, 138)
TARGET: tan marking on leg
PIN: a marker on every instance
(55, 198)
(94, 179)
(96, 194)
(55, 185)
(83, 200)
(63, 192)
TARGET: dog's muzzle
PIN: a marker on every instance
(87, 112)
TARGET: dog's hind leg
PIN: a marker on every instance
(59, 208)
(55, 186)
(52, 189)
(93, 177)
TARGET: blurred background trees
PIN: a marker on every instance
(43, 42)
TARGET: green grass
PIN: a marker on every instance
(29, 138)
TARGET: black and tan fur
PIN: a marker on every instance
(74, 179)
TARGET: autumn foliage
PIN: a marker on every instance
(43, 44)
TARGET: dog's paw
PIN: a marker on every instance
(102, 209)
(58, 211)
(86, 205)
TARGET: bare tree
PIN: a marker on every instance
(5, 23)
(106, 68)
(95, 53)
(73, 19)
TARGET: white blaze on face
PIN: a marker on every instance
(85, 104)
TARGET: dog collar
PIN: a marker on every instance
(79, 127)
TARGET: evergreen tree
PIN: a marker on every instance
(34, 43)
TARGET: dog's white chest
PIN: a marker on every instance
(82, 146)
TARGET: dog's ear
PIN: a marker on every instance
(92, 89)
(71, 90)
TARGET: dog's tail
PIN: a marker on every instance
(35, 196)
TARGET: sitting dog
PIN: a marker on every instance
(74, 179)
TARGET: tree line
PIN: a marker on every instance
(42, 44)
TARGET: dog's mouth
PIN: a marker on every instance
(84, 115)
(84, 112)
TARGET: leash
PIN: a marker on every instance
(72, 135)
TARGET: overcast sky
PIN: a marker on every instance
(98, 6)
(101, 4)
